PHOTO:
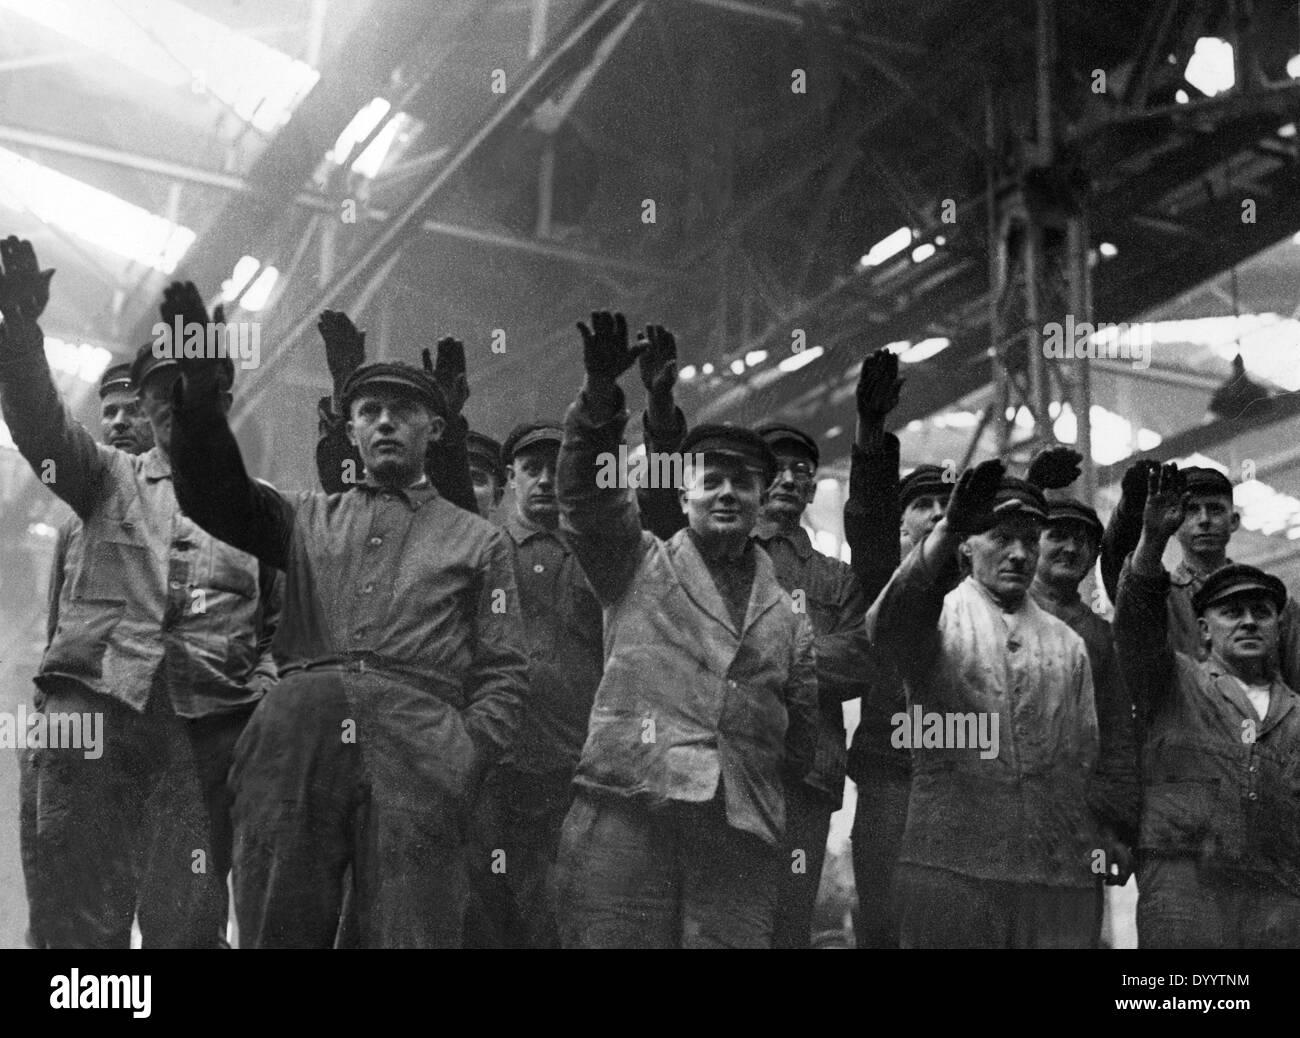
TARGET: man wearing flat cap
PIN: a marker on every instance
(1220, 738)
(159, 646)
(401, 670)
(1067, 554)
(339, 464)
(122, 425)
(1208, 526)
(827, 590)
(708, 702)
(486, 471)
(526, 796)
(1002, 728)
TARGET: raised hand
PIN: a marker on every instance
(605, 352)
(345, 347)
(24, 292)
(658, 360)
(449, 372)
(1055, 467)
(878, 387)
(970, 508)
(1166, 502)
(1133, 487)
(182, 302)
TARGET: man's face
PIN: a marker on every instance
(1066, 552)
(487, 491)
(922, 515)
(392, 429)
(1209, 524)
(1242, 629)
(123, 422)
(533, 472)
(156, 403)
(795, 485)
(723, 500)
(1003, 560)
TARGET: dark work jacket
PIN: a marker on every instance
(687, 702)
(563, 627)
(1113, 793)
(1218, 783)
(395, 582)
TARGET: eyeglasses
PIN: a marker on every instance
(800, 470)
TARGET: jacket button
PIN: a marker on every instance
(731, 684)
(367, 589)
(539, 568)
(375, 542)
(1254, 796)
(176, 585)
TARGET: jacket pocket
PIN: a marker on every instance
(115, 559)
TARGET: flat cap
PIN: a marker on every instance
(152, 357)
(1207, 481)
(529, 433)
(1071, 510)
(393, 375)
(775, 433)
(1017, 496)
(1238, 579)
(736, 440)
(486, 451)
(922, 481)
(116, 376)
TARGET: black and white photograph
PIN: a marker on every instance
(552, 475)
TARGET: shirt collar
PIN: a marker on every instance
(413, 497)
(1184, 576)
(522, 530)
(766, 530)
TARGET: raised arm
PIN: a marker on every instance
(1141, 609)
(63, 455)
(447, 464)
(665, 428)
(212, 486)
(603, 521)
(1125, 525)
(871, 514)
(907, 611)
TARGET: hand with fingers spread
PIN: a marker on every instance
(345, 346)
(1055, 467)
(449, 372)
(658, 360)
(1166, 503)
(605, 351)
(24, 293)
(970, 508)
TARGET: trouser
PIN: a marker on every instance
(36, 907)
(807, 826)
(517, 823)
(139, 831)
(878, 824)
(1182, 903)
(680, 877)
(355, 769)
(942, 909)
